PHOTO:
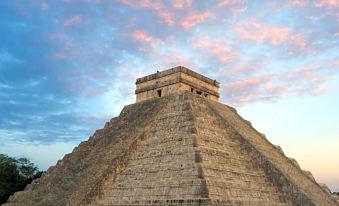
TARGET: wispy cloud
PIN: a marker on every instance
(181, 3)
(195, 18)
(157, 6)
(73, 20)
(297, 3)
(143, 36)
(217, 48)
(327, 3)
(87, 51)
(299, 41)
(255, 31)
(167, 17)
(310, 79)
(244, 68)
(223, 3)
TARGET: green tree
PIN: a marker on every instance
(15, 174)
(26, 168)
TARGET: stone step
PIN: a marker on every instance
(275, 157)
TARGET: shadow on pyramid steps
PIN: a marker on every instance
(180, 149)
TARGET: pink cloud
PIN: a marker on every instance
(252, 30)
(181, 3)
(153, 4)
(238, 9)
(223, 53)
(194, 18)
(203, 43)
(167, 17)
(143, 36)
(250, 83)
(229, 2)
(297, 3)
(216, 48)
(299, 41)
(234, 6)
(157, 6)
(309, 74)
(327, 3)
(244, 68)
(175, 58)
(310, 79)
(73, 20)
(277, 35)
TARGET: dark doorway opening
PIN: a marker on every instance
(159, 93)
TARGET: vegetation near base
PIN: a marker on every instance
(15, 174)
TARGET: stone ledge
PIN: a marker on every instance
(175, 81)
(176, 70)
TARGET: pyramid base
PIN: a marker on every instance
(173, 202)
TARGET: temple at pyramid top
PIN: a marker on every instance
(174, 80)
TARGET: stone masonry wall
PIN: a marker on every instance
(186, 87)
(175, 80)
(231, 176)
(166, 90)
(165, 169)
(200, 83)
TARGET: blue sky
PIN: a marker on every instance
(68, 66)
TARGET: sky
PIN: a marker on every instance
(68, 66)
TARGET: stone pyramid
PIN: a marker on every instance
(182, 148)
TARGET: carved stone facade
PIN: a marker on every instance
(175, 80)
(180, 149)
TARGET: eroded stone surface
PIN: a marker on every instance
(181, 149)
